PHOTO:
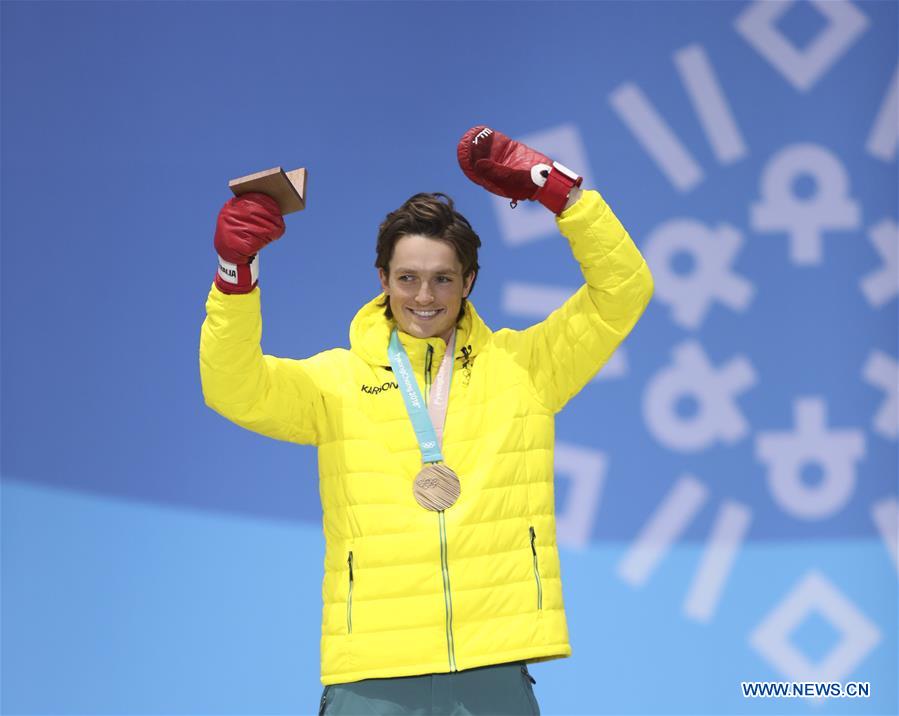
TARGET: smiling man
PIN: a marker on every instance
(426, 288)
(442, 577)
(426, 277)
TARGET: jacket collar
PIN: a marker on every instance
(370, 334)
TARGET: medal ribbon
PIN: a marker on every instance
(439, 393)
(428, 442)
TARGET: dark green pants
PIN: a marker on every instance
(497, 690)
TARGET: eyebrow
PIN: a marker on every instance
(438, 270)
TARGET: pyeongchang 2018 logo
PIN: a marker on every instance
(806, 451)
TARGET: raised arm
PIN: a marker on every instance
(563, 352)
(566, 350)
(277, 397)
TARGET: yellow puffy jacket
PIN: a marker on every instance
(408, 591)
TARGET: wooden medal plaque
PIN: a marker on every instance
(287, 188)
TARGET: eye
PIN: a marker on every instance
(445, 279)
(406, 277)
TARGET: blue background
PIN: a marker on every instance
(157, 559)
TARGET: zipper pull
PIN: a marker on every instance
(533, 538)
(429, 359)
(350, 562)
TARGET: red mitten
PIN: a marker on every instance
(514, 170)
(245, 224)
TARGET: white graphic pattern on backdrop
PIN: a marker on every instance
(709, 103)
(815, 594)
(882, 371)
(730, 529)
(885, 129)
(811, 443)
(805, 219)
(656, 137)
(886, 516)
(667, 523)
(712, 252)
(802, 68)
(692, 403)
(714, 389)
(672, 517)
(882, 285)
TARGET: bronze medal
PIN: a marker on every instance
(436, 487)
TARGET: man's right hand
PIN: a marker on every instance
(245, 224)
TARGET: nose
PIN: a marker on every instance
(424, 295)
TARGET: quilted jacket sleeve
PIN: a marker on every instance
(568, 348)
(277, 397)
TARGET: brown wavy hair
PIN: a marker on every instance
(428, 215)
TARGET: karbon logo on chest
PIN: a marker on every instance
(375, 389)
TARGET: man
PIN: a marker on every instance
(435, 438)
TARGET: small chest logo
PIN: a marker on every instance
(376, 389)
(467, 364)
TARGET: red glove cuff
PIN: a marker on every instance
(237, 278)
(554, 192)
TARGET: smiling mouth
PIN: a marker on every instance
(425, 315)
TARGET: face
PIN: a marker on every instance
(425, 286)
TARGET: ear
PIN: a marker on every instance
(468, 282)
(382, 276)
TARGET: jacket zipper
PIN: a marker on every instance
(349, 600)
(447, 596)
(536, 569)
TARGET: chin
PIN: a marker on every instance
(426, 332)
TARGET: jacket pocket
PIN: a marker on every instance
(349, 599)
(536, 568)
